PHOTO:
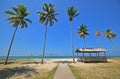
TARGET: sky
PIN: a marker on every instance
(95, 14)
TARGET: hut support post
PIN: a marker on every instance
(83, 54)
(90, 54)
(105, 54)
(96, 54)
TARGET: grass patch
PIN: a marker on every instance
(76, 73)
(97, 71)
(52, 73)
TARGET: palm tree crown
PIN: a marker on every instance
(18, 16)
(49, 15)
(97, 33)
(83, 31)
(109, 34)
(72, 12)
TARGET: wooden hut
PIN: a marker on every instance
(89, 51)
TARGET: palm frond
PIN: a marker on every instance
(23, 24)
(28, 20)
(109, 34)
(55, 19)
(51, 22)
(76, 14)
(19, 16)
(83, 31)
(9, 12)
(72, 12)
(11, 18)
(15, 9)
(97, 33)
(49, 15)
(42, 19)
(26, 14)
(15, 24)
(41, 13)
(46, 7)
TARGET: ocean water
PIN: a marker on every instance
(48, 57)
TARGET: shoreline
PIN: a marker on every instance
(48, 57)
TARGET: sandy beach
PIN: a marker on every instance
(29, 68)
(32, 68)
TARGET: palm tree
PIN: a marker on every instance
(83, 32)
(17, 18)
(48, 16)
(110, 35)
(72, 12)
(97, 33)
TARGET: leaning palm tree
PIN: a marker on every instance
(17, 18)
(72, 12)
(97, 33)
(110, 35)
(47, 17)
(83, 32)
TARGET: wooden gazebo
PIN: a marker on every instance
(89, 52)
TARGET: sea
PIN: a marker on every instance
(47, 57)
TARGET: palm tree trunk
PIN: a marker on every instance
(72, 40)
(84, 42)
(44, 46)
(10, 45)
(113, 46)
(98, 42)
(112, 43)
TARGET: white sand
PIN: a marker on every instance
(49, 64)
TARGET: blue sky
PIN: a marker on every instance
(96, 14)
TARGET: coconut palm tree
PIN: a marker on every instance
(48, 16)
(97, 33)
(17, 18)
(72, 12)
(83, 32)
(110, 35)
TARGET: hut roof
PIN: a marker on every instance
(90, 50)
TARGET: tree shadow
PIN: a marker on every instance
(32, 63)
(2, 61)
(65, 61)
(7, 62)
(9, 72)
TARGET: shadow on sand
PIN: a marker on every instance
(7, 62)
(9, 72)
(65, 61)
(32, 63)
